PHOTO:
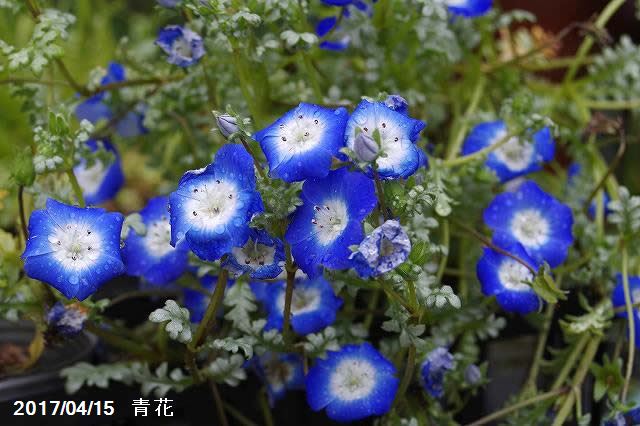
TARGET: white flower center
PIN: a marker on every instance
(182, 47)
(300, 134)
(75, 246)
(278, 373)
(213, 204)
(158, 238)
(330, 220)
(516, 154)
(513, 275)
(254, 254)
(90, 178)
(352, 379)
(530, 228)
(303, 300)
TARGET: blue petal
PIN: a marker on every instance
(93, 110)
(325, 25)
(617, 296)
(115, 73)
(471, 8)
(131, 125)
(323, 126)
(112, 176)
(337, 2)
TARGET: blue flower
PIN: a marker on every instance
(212, 207)
(628, 418)
(301, 143)
(261, 257)
(313, 307)
(506, 278)
(617, 299)
(398, 136)
(330, 220)
(469, 8)
(331, 35)
(73, 249)
(433, 369)
(168, 3)
(387, 247)
(99, 182)
(535, 219)
(279, 372)
(183, 46)
(353, 383)
(96, 107)
(151, 255)
(516, 157)
(67, 320)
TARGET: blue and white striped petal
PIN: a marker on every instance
(100, 182)
(469, 8)
(330, 220)
(73, 249)
(506, 278)
(212, 207)
(262, 256)
(516, 157)
(151, 255)
(352, 383)
(300, 144)
(398, 136)
(279, 372)
(314, 305)
(535, 219)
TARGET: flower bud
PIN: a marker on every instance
(227, 124)
(365, 147)
(472, 374)
(397, 103)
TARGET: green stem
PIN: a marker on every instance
(209, 316)
(141, 293)
(76, 187)
(446, 236)
(222, 417)
(454, 146)
(20, 80)
(288, 295)
(578, 378)
(371, 308)
(515, 407)
(23, 220)
(390, 292)
(256, 163)
(571, 361)
(380, 192)
(539, 353)
(612, 105)
(238, 416)
(120, 342)
(478, 155)
(587, 43)
(408, 374)
(266, 410)
(630, 317)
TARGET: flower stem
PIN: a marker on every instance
(256, 163)
(210, 315)
(454, 146)
(222, 417)
(571, 361)
(578, 378)
(539, 353)
(380, 192)
(288, 295)
(23, 220)
(76, 187)
(630, 317)
(408, 373)
(515, 407)
(120, 342)
(266, 410)
(373, 303)
(238, 416)
(478, 155)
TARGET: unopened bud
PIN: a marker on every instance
(227, 124)
(365, 147)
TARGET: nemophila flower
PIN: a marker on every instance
(183, 46)
(73, 249)
(617, 299)
(387, 247)
(228, 124)
(332, 38)
(628, 418)
(330, 219)
(469, 8)
(99, 182)
(212, 207)
(67, 320)
(279, 372)
(262, 256)
(433, 369)
(535, 219)
(313, 307)
(97, 107)
(300, 144)
(151, 255)
(352, 383)
(517, 157)
(398, 134)
(507, 279)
